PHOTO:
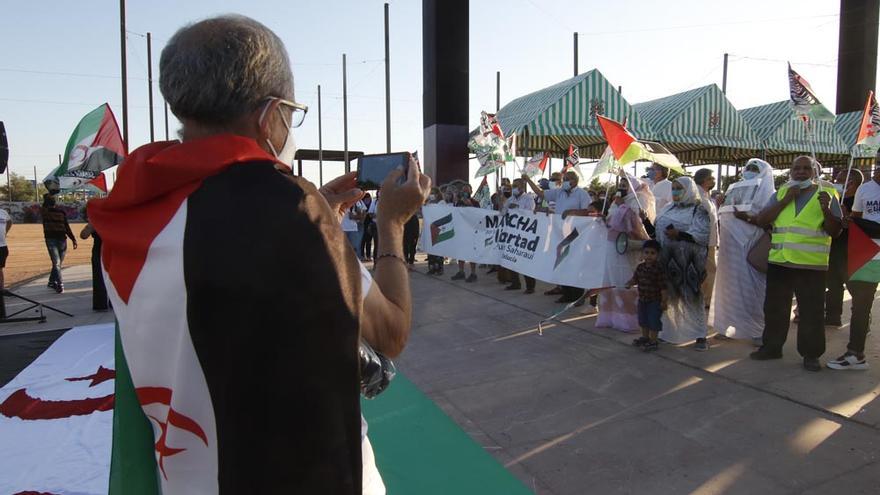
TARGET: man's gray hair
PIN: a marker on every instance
(219, 69)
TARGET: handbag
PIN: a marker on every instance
(759, 255)
(377, 370)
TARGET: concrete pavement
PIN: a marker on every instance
(578, 410)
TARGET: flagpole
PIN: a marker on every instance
(150, 82)
(124, 74)
(848, 170)
(36, 188)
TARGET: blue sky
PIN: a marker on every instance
(61, 59)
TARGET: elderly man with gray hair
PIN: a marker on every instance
(240, 305)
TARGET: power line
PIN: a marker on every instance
(697, 26)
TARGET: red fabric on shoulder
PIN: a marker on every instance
(151, 185)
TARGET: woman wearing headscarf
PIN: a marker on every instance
(739, 286)
(618, 307)
(683, 232)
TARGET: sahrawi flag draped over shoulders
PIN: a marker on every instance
(804, 99)
(627, 149)
(94, 146)
(869, 130)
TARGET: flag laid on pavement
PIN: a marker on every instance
(869, 129)
(94, 146)
(537, 164)
(627, 149)
(863, 256)
(803, 100)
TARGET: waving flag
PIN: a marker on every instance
(490, 161)
(482, 194)
(537, 164)
(626, 148)
(607, 163)
(489, 125)
(572, 159)
(94, 146)
(863, 256)
(869, 130)
(804, 100)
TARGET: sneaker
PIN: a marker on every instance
(848, 361)
(471, 278)
(59, 288)
(590, 310)
(639, 342)
(812, 364)
(458, 276)
(763, 354)
(650, 346)
(701, 345)
(833, 322)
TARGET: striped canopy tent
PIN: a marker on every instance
(700, 126)
(555, 117)
(847, 126)
(783, 136)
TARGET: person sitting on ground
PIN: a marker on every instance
(56, 231)
(464, 200)
(650, 278)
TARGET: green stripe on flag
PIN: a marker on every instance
(132, 461)
(869, 272)
(420, 450)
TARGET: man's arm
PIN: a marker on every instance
(769, 214)
(831, 224)
(9, 224)
(536, 188)
(576, 213)
(69, 232)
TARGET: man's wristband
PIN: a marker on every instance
(390, 255)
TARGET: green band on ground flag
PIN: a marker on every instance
(132, 462)
(420, 450)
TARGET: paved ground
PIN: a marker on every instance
(578, 410)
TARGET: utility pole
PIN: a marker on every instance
(497, 91)
(150, 81)
(575, 54)
(166, 121)
(8, 186)
(620, 90)
(345, 117)
(36, 187)
(387, 86)
(724, 83)
(320, 143)
(124, 74)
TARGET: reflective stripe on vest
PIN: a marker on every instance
(798, 238)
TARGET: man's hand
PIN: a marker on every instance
(400, 201)
(672, 234)
(342, 193)
(825, 201)
(75, 244)
(792, 194)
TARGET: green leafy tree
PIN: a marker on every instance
(22, 189)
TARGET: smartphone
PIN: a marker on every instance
(373, 169)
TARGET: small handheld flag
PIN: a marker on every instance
(804, 100)
(627, 149)
(869, 129)
(537, 164)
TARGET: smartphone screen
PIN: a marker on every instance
(373, 169)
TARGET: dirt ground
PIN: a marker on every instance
(28, 256)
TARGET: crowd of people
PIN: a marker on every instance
(717, 263)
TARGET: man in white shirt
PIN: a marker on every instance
(519, 200)
(706, 183)
(570, 201)
(5, 225)
(352, 224)
(865, 206)
(662, 188)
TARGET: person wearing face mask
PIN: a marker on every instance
(740, 286)
(570, 201)
(837, 263)
(519, 200)
(499, 199)
(546, 205)
(210, 337)
(682, 228)
(705, 183)
(805, 216)
(662, 187)
(464, 200)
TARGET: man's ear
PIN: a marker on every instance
(265, 115)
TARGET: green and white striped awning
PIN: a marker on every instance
(783, 135)
(552, 118)
(700, 126)
(847, 126)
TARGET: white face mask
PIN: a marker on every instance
(288, 150)
(800, 184)
(566, 186)
(554, 185)
(516, 192)
(749, 175)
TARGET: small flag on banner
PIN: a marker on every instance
(537, 164)
(869, 130)
(804, 100)
(863, 251)
(442, 230)
(627, 149)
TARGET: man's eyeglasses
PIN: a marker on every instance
(299, 112)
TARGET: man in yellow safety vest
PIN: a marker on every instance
(805, 214)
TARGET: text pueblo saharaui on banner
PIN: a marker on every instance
(546, 247)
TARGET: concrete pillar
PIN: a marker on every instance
(857, 53)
